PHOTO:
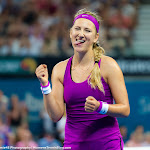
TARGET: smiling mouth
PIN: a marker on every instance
(79, 42)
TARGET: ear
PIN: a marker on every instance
(71, 33)
(96, 37)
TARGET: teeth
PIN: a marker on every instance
(81, 41)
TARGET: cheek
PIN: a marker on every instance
(90, 38)
(74, 34)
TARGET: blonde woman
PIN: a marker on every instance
(88, 83)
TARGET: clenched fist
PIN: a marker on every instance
(42, 74)
(91, 104)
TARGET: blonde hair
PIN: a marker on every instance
(95, 77)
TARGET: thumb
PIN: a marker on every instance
(89, 98)
(45, 66)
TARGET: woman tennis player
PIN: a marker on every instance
(92, 87)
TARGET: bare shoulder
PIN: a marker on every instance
(109, 66)
(61, 65)
(109, 62)
(59, 70)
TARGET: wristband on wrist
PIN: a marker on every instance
(103, 108)
(46, 89)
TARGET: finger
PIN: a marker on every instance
(42, 66)
(90, 105)
(45, 66)
(39, 72)
(39, 68)
(90, 102)
(40, 75)
(90, 97)
(89, 108)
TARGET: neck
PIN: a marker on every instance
(83, 58)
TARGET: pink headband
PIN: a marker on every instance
(89, 17)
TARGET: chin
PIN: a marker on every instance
(80, 50)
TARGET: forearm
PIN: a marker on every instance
(118, 110)
(53, 99)
(54, 110)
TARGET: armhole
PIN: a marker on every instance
(102, 78)
(99, 63)
(67, 70)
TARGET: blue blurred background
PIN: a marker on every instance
(34, 32)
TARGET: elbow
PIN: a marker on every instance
(127, 112)
(56, 119)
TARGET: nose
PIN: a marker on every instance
(81, 35)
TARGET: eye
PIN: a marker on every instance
(77, 28)
(87, 30)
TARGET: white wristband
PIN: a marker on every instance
(46, 89)
(103, 108)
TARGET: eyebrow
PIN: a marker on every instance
(85, 27)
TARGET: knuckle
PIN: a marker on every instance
(39, 66)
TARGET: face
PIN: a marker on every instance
(83, 34)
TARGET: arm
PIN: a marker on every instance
(117, 86)
(114, 77)
(53, 102)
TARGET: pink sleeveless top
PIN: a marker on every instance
(81, 125)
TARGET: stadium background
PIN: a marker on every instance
(34, 32)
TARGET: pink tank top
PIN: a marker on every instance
(82, 125)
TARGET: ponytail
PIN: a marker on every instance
(95, 77)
